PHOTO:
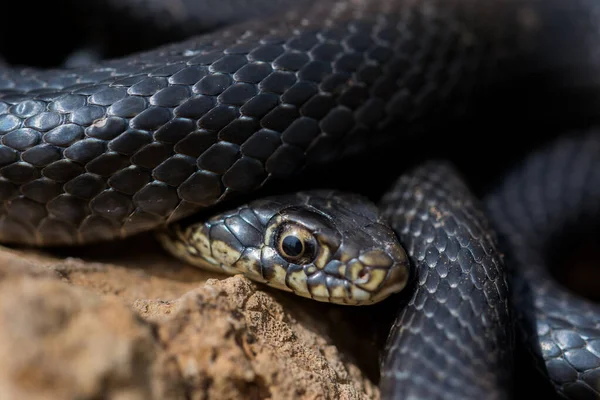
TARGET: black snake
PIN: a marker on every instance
(103, 151)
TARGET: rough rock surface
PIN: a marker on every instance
(126, 321)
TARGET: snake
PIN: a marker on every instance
(187, 139)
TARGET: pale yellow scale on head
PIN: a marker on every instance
(297, 282)
(249, 264)
(223, 253)
(325, 245)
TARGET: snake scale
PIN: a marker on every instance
(129, 144)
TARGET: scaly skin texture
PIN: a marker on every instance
(538, 209)
(128, 145)
(460, 279)
(109, 150)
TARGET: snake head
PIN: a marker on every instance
(325, 245)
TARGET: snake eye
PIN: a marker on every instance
(296, 244)
(291, 246)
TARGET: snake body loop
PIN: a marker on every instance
(460, 279)
(559, 327)
(87, 151)
(128, 145)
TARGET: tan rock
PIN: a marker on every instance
(126, 321)
(59, 341)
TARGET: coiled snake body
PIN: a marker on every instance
(128, 145)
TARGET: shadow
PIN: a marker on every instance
(139, 252)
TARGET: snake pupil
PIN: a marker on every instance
(292, 246)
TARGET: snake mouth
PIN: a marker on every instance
(396, 281)
(375, 284)
(367, 279)
(380, 272)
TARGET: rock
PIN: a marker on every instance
(126, 321)
(61, 341)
